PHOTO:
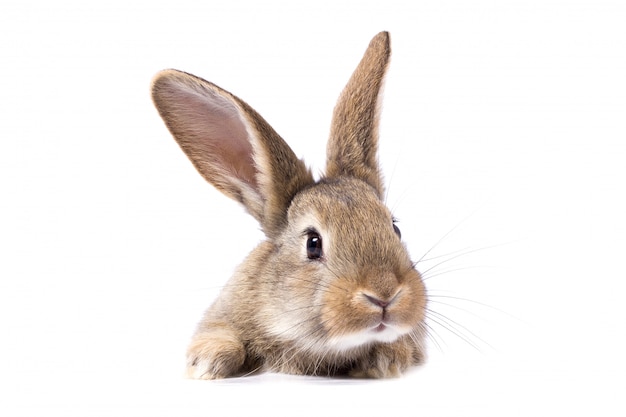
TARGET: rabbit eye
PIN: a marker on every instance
(313, 245)
(397, 230)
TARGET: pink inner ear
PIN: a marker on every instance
(214, 131)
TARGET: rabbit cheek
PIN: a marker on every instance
(412, 308)
(411, 304)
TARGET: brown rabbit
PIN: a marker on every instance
(332, 290)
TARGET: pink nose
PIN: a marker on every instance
(377, 301)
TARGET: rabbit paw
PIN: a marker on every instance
(387, 361)
(215, 354)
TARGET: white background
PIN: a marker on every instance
(503, 121)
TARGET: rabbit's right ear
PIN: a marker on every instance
(353, 142)
(231, 146)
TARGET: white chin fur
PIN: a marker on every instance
(365, 337)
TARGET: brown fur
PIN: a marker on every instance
(357, 310)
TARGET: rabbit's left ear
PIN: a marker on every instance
(231, 146)
(353, 143)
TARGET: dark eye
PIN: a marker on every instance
(397, 230)
(313, 245)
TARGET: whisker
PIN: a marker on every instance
(300, 323)
(426, 277)
(457, 255)
(465, 310)
(418, 334)
(433, 335)
(448, 233)
(311, 339)
(452, 330)
(460, 330)
(452, 258)
(336, 275)
(466, 251)
(444, 255)
(467, 300)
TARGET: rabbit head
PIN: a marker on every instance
(332, 289)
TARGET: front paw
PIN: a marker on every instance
(387, 360)
(215, 354)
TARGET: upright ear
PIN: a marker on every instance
(353, 143)
(231, 146)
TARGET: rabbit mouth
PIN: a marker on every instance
(380, 328)
(384, 332)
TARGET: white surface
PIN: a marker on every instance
(506, 119)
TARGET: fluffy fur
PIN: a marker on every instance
(356, 309)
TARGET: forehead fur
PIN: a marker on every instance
(338, 198)
(359, 224)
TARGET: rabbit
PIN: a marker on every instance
(332, 290)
